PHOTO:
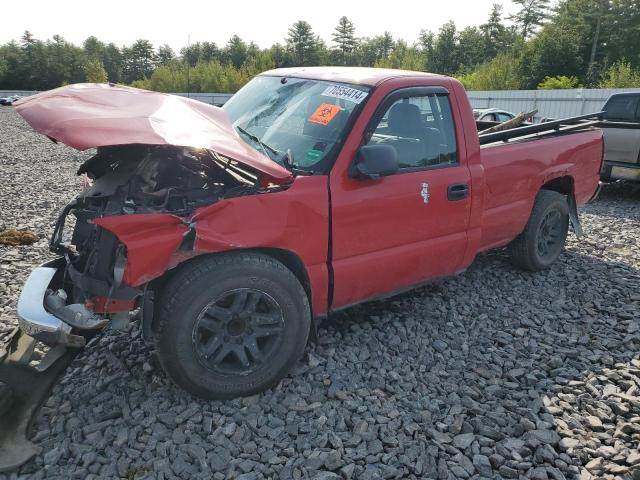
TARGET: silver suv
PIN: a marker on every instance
(622, 145)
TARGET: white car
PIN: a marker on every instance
(492, 115)
(9, 100)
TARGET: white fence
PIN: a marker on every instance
(210, 98)
(549, 103)
(22, 93)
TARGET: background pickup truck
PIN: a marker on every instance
(312, 190)
(622, 145)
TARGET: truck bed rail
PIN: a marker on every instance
(563, 125)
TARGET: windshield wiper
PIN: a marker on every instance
(286, 160)
(289, 164)
(255, 139)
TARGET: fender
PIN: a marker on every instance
(294, 220)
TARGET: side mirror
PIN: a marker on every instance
(374, 161)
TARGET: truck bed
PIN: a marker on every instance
(516, 170)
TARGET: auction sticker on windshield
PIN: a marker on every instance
(345, 93)
(324, 113)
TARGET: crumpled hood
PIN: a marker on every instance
(89, 115)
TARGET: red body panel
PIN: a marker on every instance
(515, 172)
(151, 239)
(384, 238)
(295, 220)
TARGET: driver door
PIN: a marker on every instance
(401, 230)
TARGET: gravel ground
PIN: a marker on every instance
(493, 374)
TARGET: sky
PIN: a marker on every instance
(263, 22)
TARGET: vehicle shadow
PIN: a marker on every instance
(620, 190)
(542, 368)
(617, 200)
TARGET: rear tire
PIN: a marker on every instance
(544, 237)
(232, 325)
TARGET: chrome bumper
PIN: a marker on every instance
(34, 320)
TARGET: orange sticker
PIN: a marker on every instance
(325, 113)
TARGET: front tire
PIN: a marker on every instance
(544, 237)
(232, 325)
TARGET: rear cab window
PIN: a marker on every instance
(622, 108)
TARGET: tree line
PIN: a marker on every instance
(590, 43)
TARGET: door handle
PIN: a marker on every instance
(457, 191)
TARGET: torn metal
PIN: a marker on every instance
(23, 388)
(91, 115)
(154, 190)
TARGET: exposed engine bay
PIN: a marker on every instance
(132, 179)
(150, 178)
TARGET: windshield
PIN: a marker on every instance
(295, 122)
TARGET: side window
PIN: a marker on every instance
(504, 117)
(421, 130)
(621, 108)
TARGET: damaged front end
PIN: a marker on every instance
(153, 188)
(146, 192)
(160, 158)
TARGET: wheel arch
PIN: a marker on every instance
(565, 185)
(293, 262)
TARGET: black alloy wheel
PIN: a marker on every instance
(238, 331)
(544, 237)
(549, 238)
(231, 325)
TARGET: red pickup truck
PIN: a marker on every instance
(229, 231)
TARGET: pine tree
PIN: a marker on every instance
(236, 51)
(138, 61)
(532, 14)
(497, 37)
(427, 41)
(94, 72)
(386, 44)
(113, 62)
(303, 43)
(444, 58)
(472, 50)
(344, 37)
(165, 54)
(93, 48)
(209, 51)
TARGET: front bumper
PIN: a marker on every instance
(37, 322)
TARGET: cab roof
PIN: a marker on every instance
(355, 75)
